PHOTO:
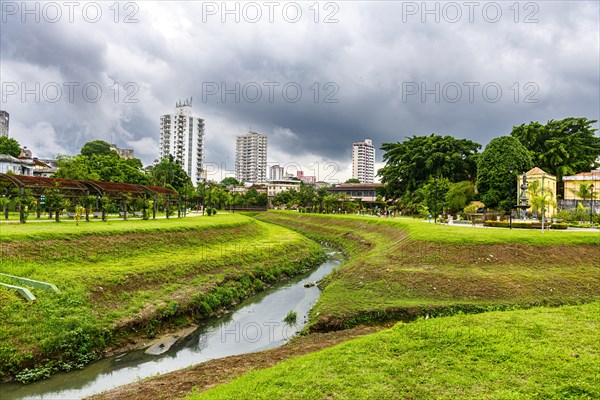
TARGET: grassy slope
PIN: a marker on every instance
(131, 276)
(404, 268)
(540, 353)
(51, 230)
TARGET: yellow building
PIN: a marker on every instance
(547, 185)
(572, 183)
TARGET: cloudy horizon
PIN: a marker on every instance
(313, 77)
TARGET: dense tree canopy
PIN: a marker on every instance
(107, 168)
(495, 181)
(435, 191)
(563, 147)
(459, 195)
(96, 148)
(286, 198)
(410, 163)
(9, 146)
(98, 162)
(230, 181)
(168, 173)
(254, 199)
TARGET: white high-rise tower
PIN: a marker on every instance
(251, 158)
(4, 119)
(182, 136)
(363, 161)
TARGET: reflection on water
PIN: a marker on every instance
(255, 324)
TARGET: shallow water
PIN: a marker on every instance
(253, 325)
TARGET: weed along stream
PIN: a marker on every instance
(253, 325)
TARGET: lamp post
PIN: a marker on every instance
(591, 204)
(510, 210)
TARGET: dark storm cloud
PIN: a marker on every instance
(374, 57)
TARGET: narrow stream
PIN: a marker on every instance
(253, 325)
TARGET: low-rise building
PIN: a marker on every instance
(366, 192)
(572, 183)
(44, 167)
(276, 187)
(123, 153)
(305, 178)
(547, 186)
(10, 164)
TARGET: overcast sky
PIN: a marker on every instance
(314, 77)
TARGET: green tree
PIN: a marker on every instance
(352, 180)
(540, 197)
(230, 181)
(329, 203)
(287, 198)
(56, 201)
(563, 147)
(168, 173)
(306, 196)
(75, 167)
(97, 148)
(9, 146)
(459, 195)
(497, 169)
(220, 196)
(102, 167)
(584, 191)
(435, 195)
(409, 164)
(253, 198)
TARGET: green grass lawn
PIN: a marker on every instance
(403, 268)
(117, 278)
(540, 353)
(53, 230)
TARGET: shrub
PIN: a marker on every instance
(524, 225)
(290, 318)
(565, 215)
(557, 225)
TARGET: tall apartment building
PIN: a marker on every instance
(182, 136)
(363, 161)
(3, 123)
(251, 158)
(276, 172)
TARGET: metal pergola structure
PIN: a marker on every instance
(37, 187)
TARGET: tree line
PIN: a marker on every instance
(422, 174)
(442, 172)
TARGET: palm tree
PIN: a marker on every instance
(540, 198)
(584, 191)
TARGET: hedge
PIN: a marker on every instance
(525, 225)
